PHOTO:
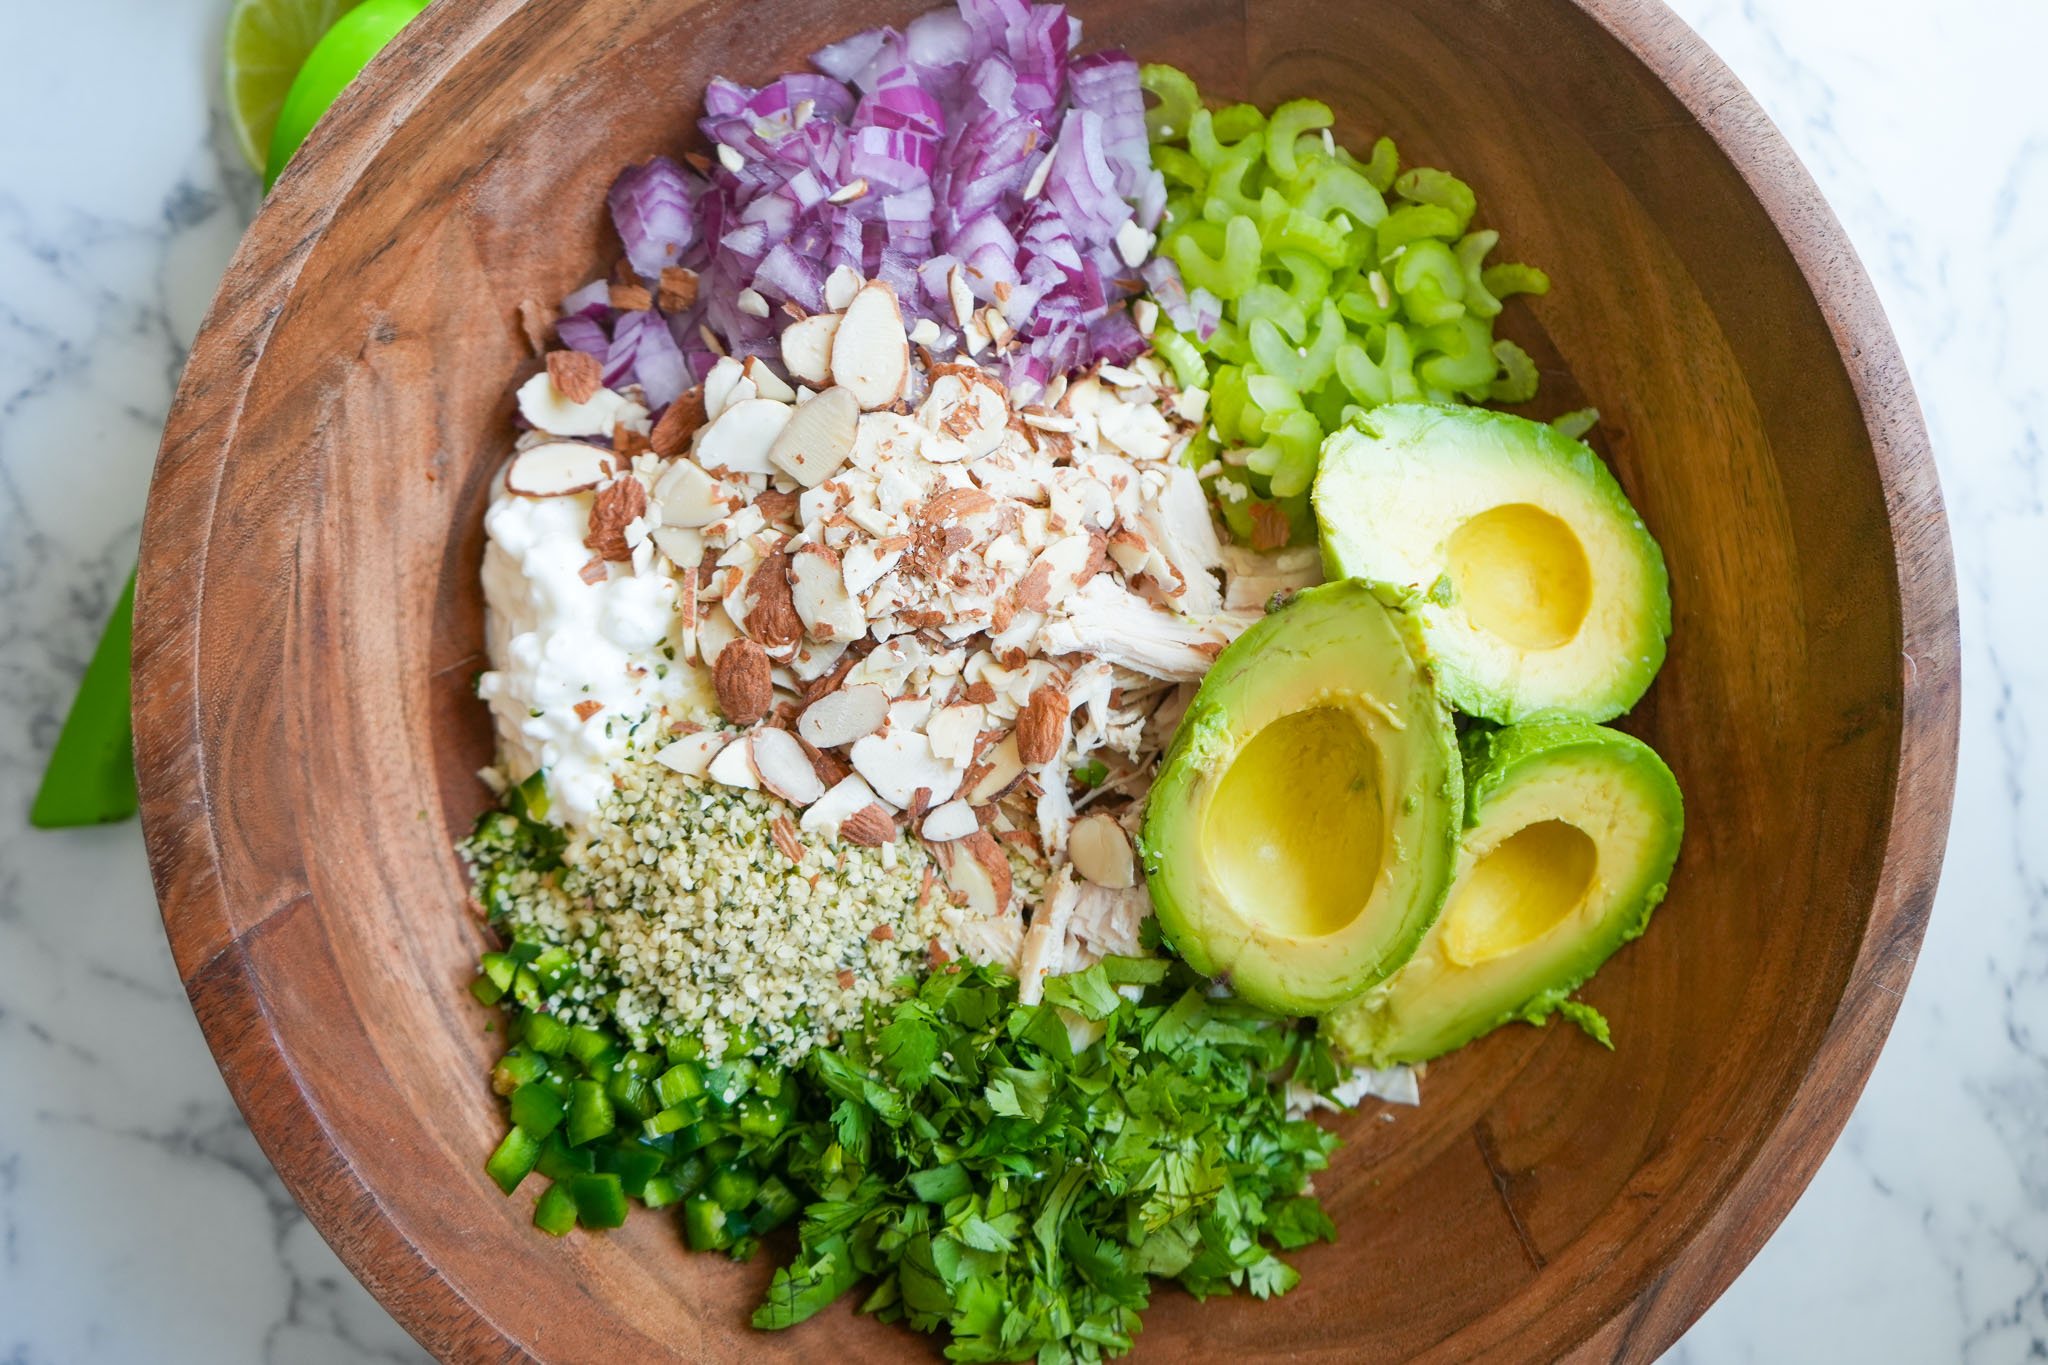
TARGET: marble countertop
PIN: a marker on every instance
(138, 1220)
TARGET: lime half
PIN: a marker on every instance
(268, 41)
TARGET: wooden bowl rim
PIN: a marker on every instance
(185, 863)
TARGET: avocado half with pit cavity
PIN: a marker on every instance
(1572, 831)
(1540, 592)
(1300, 837)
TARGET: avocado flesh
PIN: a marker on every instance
(1300, 836)
(1572, 832)
(1539, 590)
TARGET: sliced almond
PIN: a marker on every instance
(618, 505)
(743, 434)
(1101, 851)
(818, 438)
(679, 422)
(1133, 243)
(924, 332)
(867, 564)
(1035, 182)
(845, 797)
(770, 614)
(961, 297)
(733, 766)
(965, 418)
(817, 589)
(750, 302)
(953, 820)
(715, 630)
(847, 193)
(548, 410)
(576, 375)
(678, 289)
(690, 497)
(743, 683)
(976, 869)
(556, 468)
(1059, 569)
(997, 774)
(1042, 725)
(870, 354)
(692, 754)
(807, 349)
(843, 716)
(785, 768)
(685, 547)
(900, 761)
(953, 731)
(767, 383)
(816, 658)
(840, 287)
(870, 826)
(725, 385)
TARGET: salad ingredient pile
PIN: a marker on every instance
(943, 805)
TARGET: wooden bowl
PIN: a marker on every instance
(309, 623)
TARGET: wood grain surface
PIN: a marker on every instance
(308, 623)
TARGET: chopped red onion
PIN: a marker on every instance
(909, 154)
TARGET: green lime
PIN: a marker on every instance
(268, 41)
(342, 52)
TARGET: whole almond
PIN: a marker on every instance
(617, 504)
(743, 683)
(576, 374)
(1042, 725)
(870, 827)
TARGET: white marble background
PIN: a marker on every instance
(139, 1222)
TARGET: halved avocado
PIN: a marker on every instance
(1572, 831)
(1541, 593)
(1299, 839)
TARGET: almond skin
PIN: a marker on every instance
(678, 289)
(784, 834)
(771, 611)
(743, 683)
(576, 374)
(989, 854)
(679, 422)
(618, 503)
(870, 827)
(631, 298)
(1042, 725)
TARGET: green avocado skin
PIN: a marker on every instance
(1425, 1010)
(1338, 635)
(1398, 454)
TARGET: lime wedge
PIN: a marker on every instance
(268, 41)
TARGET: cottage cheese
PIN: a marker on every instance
(558, 642)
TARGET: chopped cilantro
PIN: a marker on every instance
(992, 1183)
